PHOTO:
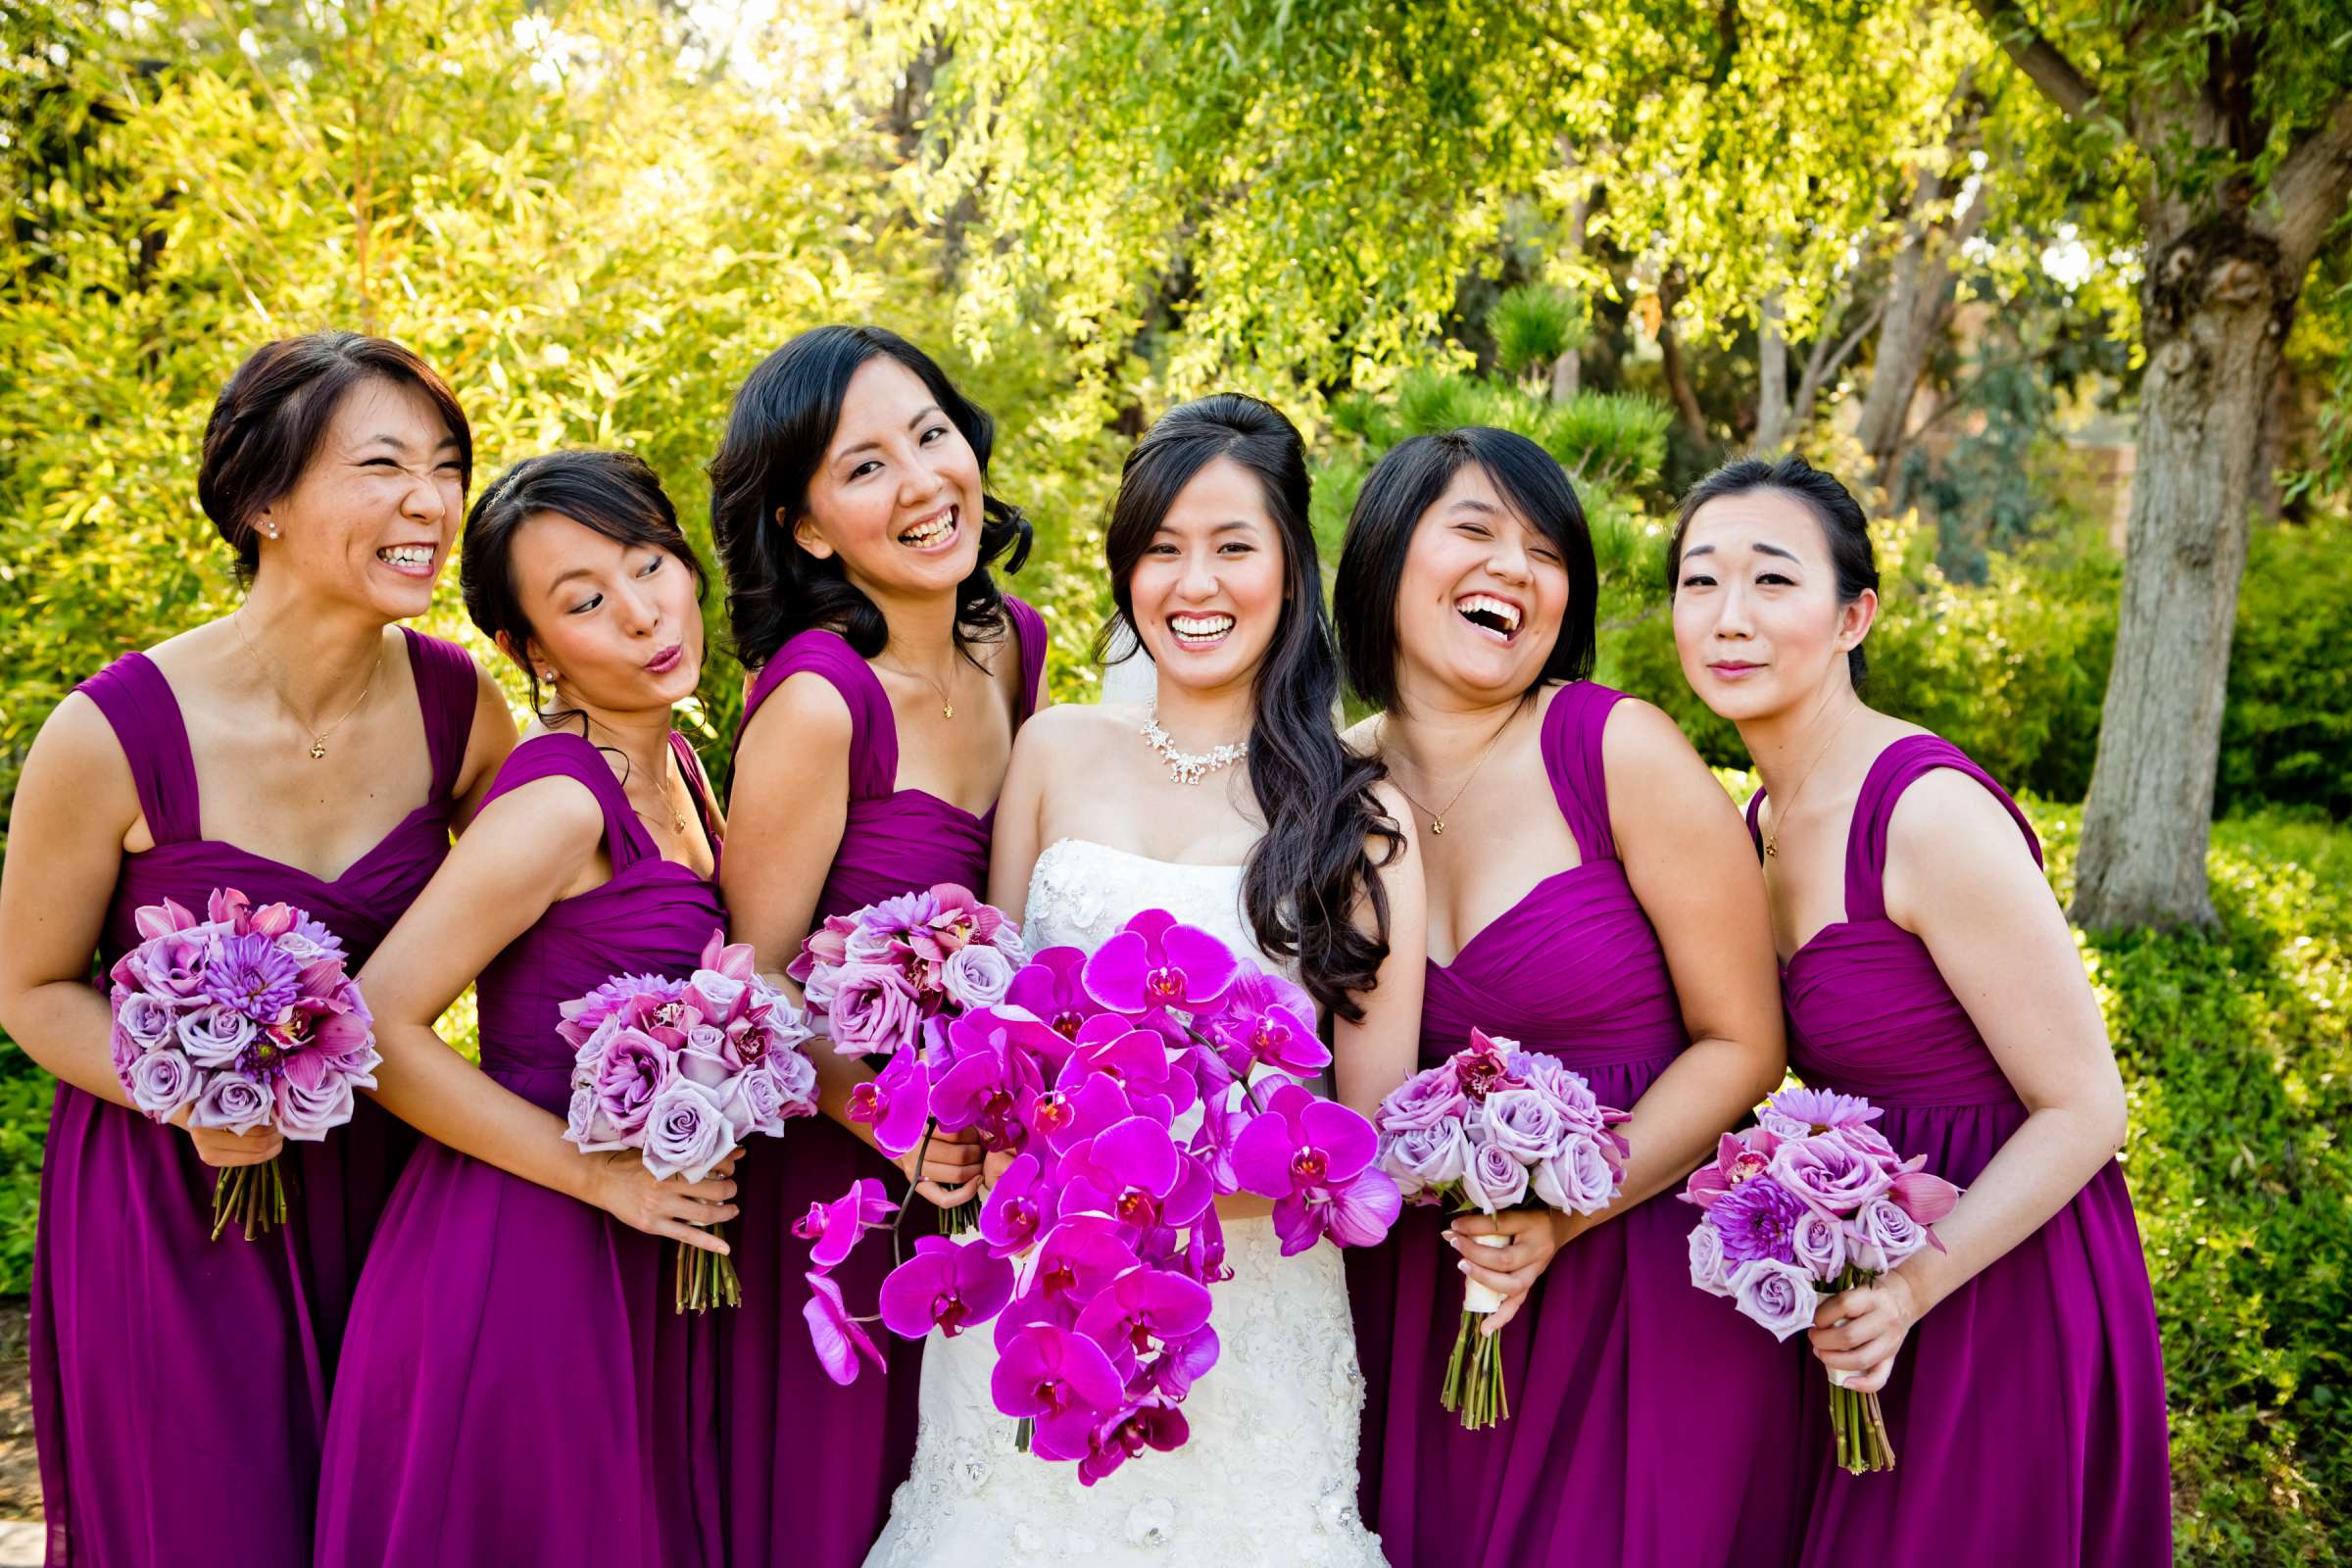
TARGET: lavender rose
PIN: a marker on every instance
(1423, 1101)
(1422, 1157)
(1776, 1294)
(1819, 1243)
(1528, 1123)
(312, 1097)
(232, 1103)
(710, 1056)
(1566, 1088)
(215, 1036)
(685, 1131)
(628, 1075)
(148, 1019)
(161, 1082)
(715, 995)
(1891, 1233)
(1493, 1179)
(1825, 1173)
(873, 1011)
(796, 1080)
(1708, 1268)
(976, 976)
(1579, 1178)
(753, 1101)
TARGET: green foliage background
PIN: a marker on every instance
(595, 219)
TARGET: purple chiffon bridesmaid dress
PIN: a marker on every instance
(1648, 1422)
(517, 1386)
(180, 1382)
(810, 1466)
(2026, 1408)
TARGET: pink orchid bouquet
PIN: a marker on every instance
(244, 1019)
(1810, 1202)
(889, 978)
(1487, 1129)
(683, 1071)
(1132, 1087)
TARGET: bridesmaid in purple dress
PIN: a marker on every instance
(303, 749)
(1589, 897)
(519, 1300)
(849, 502)
(1928, 968)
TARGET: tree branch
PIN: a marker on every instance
(2039, 58)
(2312, 185)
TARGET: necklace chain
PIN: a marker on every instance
(319, 737)
(1436, 819)
(1188, 767)
(947, 704)
(1780, 816)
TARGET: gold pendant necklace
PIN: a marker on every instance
(1436, 819)
(319, 737)
(947, 704)
(1780, 815)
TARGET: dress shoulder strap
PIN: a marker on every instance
(1029, 630)
(873, 733)
(698, 782)
(139, 701)
(446, 691)
(1755, 820)
(1572, 732)
(1896, 770)
(563, 756)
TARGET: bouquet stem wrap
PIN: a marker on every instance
(1474, 1385)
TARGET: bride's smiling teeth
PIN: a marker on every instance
(1200, 631)
(407, 558)
(1498, 619)
(933, 531)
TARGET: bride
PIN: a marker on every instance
(1227, 798)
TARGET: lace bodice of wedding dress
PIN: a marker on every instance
(1269, 1473)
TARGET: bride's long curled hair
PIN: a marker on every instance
(1312, 871)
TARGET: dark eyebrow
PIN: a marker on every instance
(1763, 549)
(576, 571)
(1698, 550)
(1476, 504)
(923, 413)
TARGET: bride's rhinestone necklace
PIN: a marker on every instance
(1188, 767)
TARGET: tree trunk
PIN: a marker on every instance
(2215, 310)
(1568, 370)
(1921, 291)
(1772, 378)
(1670, 360)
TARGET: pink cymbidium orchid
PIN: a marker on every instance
(896, 1102)
(1060, 1380)
(1020, 1209)
(950, 1286)
(1155, 965)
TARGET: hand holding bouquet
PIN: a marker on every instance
(245, 1019)
(1487, 1129)
(1810, 1202)
(683, 1071)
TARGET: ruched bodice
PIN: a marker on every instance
(1867, 1009)
(1573, 968)
(654, 916)
(893, 840)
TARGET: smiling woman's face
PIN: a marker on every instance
(1757, 620)
(1482, 596)
(1207, 590)
(898, 498)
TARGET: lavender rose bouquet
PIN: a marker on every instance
(244, 1019)
(1810, 1202)
(683, 1071)
(886, 980)
(1489, 1129)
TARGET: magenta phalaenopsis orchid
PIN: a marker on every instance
(834, 1227)
(1132, 1088)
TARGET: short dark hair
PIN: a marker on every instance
(1400, 490)
(269, 421)
(1843, 524)
(783, 420)
(613, 493)
(1311, 869)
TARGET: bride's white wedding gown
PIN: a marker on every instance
(1268, 1476)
